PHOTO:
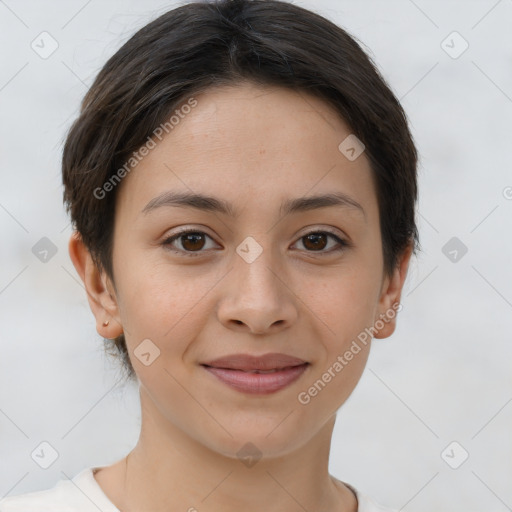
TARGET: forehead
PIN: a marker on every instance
(252, 146)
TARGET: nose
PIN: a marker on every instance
(256, 297)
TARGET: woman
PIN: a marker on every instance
(242, 184)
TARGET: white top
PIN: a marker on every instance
(83, 494)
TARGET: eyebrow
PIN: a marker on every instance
(214, 204)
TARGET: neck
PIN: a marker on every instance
(169, 470)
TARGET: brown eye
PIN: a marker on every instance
(191, 242)
(317, 241)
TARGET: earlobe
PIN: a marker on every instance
(389, 303)
(102, 301)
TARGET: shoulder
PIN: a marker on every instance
(79, 494)
(55, 499)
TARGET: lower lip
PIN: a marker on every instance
(258, 383)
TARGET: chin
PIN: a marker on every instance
(255, 442)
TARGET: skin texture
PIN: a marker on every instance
(254, 147)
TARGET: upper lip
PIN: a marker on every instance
(249, 362)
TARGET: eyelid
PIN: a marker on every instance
(316, 229)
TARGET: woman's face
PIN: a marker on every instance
(251, 280)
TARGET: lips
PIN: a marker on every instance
(257, 364)
(257, 374)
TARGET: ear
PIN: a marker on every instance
(99, 288)
(391, 291)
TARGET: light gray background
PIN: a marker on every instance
(444, 376)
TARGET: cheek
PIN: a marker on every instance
(161, 302)
(346, 308)
(345, 303)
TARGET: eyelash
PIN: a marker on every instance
(168, 241)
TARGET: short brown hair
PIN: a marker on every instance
(204, 44)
